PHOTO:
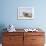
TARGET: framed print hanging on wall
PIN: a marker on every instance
(25, 13)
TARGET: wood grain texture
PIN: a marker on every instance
(34, 39)
(13, 39)
(23, 38)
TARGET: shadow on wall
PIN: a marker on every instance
(2, 26)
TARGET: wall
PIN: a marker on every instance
(9, 13)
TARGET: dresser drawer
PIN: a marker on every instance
(13, 33)
(12, 39)
(37, 44)
(20, 44)
(34, 33)
(37, 39)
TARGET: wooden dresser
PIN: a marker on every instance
(23, 39)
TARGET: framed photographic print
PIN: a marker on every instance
(25, 13)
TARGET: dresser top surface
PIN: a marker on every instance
(22, 30)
